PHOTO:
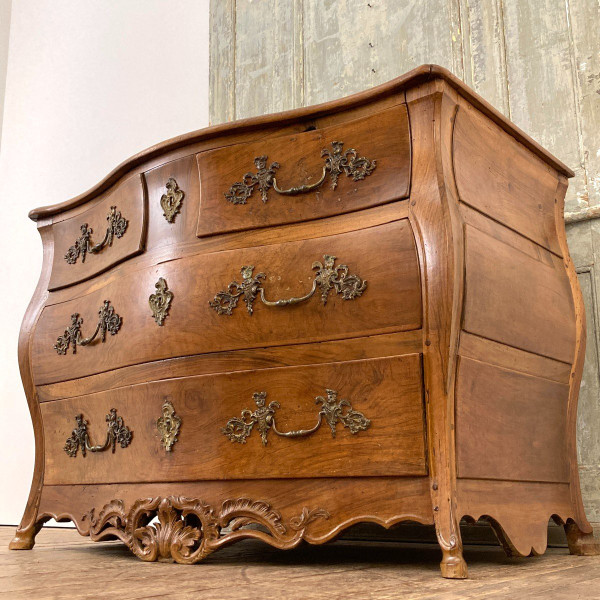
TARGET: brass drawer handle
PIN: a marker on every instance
(239, 428)
(108, 320)
(117, 226)
(337, 161)
(117, 432)
(328, 277)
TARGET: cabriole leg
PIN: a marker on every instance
(580, 543)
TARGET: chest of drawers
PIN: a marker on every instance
(280, 327)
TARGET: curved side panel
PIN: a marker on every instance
(575, 537)
(25, 535)
(502, 179)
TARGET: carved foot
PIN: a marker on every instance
(581, 544)
(24, 538)
(453, 565)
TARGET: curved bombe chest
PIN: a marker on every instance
(341, 314)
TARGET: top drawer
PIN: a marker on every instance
(102, 236)
(305, 176)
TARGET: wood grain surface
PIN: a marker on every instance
(518, 299)
(524, 416)
(387, 391)
(382, 137)
(130, 199)
(391, 344)
(380, 571)
(500, 178)
(383, 256)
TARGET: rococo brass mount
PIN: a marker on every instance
(108, 320)
(168, 425)
(83, 244)
(171, 201)
(337, 161)
(160, 301)
(117, 432)
(239, 428)
(328, 277)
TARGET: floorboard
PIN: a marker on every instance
(65, 565)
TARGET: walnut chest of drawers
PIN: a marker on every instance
(280, 327)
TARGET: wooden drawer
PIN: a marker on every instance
(384, 408)
(102, 236)
(384, 256)
(364, 163)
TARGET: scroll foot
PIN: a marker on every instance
(453, 565)
(25, 538)
(581, 544)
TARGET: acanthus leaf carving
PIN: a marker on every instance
(187, 529)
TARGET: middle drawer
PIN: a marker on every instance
(348, 419)
(346, 285)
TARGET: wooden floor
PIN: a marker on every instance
(65, 565)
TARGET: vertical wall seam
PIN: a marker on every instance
(303, 95)
(589, 271)
(503, 57)
(576, 100)
(233, 104)
(299, 54)
(457, 39)
(467, 18)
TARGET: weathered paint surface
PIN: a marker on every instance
(537, 61)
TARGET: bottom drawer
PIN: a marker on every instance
(358, 418)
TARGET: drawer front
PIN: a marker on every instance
(361, 163)
(361, 418)
(100, 237)
(384, 257)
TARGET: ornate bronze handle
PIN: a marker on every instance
(337, 161)
(328, 276)
(239, 428)
(83, 244)
(117, 431)
(108, 320)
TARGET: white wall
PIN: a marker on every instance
(4, 33)
(88, 84)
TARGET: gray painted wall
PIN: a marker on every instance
(537, 61)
